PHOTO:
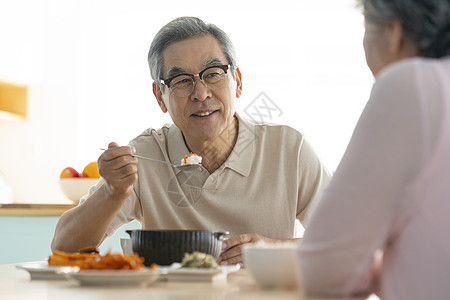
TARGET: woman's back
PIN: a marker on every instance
(390, 192)
(417, 259)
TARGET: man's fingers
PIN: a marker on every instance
(127, 170)
(122, 165)
(233, 261)
(122, 161)
(236, 240)
(118, 166)
(124, 182)
(233, 248)
(113, 144)
(115, 152)
(230, 253)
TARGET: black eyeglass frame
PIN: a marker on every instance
(167, 81)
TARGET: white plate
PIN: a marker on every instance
(41, 270)
(201, 274)
(113, 277)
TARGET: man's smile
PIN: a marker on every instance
(203, 113)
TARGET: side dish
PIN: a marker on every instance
(199, 260)
(96, 261)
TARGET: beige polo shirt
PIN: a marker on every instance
(265, 185)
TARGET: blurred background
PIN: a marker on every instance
(84, 65)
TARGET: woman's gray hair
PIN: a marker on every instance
(181, 29)
(426, 23)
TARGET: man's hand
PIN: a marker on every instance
(119, 169)
(85, 225)
(232, 247)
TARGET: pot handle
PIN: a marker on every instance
(220, 234)
(129, 232)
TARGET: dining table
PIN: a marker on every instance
(17, 284)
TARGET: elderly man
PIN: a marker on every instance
(255, 180)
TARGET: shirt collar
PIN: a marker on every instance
(176, 146)
(240, 159)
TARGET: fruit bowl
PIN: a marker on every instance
(75, 188)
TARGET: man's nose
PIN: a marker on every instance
(201, 91)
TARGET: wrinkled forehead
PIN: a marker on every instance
(192, 55)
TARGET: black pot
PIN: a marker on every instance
(165, 247)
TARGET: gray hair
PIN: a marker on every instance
(426, 23)
(181, 29)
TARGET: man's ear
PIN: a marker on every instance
(238, 83)
(158, 95)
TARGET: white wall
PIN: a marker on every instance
(85, 63)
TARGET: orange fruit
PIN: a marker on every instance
(69, 173)
(91, 170)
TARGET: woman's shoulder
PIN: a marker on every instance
(412, 67)
(410, 77)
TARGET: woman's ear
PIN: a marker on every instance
(238, 83)
(395, 36)
(399, 47)
(158, 95)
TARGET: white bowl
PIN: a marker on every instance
(273, 266)
(75, 188)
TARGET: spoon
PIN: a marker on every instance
(161, 161)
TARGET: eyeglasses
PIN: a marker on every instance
(182, 85)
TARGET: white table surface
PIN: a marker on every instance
(16, 284)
